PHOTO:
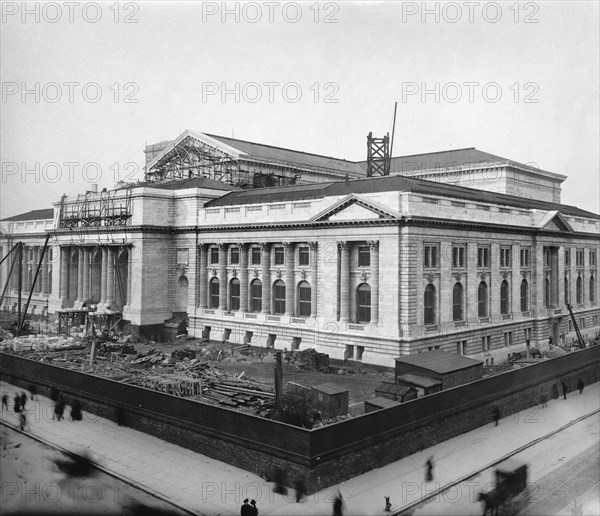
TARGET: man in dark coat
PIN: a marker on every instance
(17, 403)
(496, 415)
(565, 389)
(580, 385)
(246, 509)
(23, 399)
(59, 409)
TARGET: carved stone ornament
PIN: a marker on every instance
(505, 274)
(431, 277)
(303, 274)
(214, 271)
(482, 275)
(255, 273)
(458, 276)
(374, 244)
(234, 273)
(278, 274)
(524, 273)
(364, 276)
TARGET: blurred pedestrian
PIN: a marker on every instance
(496, 415)
(565, 389)
(59, 409)
(5, 401)
(17, 403)
(280, 481)
(22, 421)
(253, 508)
(23, 399)
(429, 469)
(76, 411)
(338, 505)
(300, 487)
(33, 390)
(580, 385)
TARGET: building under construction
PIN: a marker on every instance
(462, 251)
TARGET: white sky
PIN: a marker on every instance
(365, 59)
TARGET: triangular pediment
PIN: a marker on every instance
(353, 207)
(554, 221)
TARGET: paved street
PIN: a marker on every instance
(206, 486)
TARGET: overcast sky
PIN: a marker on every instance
(86, 86)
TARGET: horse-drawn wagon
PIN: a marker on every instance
(510, 489)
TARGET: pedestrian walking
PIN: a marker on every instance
(17, 403)
(23, 399)
(76, 411)
(338, 505)
(59, 409)
(254, 508)
(246, 509)
(300, 487)
(565, 389)
(429, 470)
(22, 421)
(496, 415)
(580, 385)
(33, 390)
(280, 481)
(5, 401)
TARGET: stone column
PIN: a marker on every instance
(243, 278)
(314, 278)
(103, 270)
(374, 281)
(110, 276)
(45, 272)
(65, 253)
(80, 268)
(223, 276)
(344, 281)
(290, 288)
(86, 273)
(202, 295)
(266, 278)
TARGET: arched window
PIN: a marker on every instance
(234, 295)
(429, 304)
(482, 299)
(458, 302)
(279, 297)
(524, 296)
(256, 296)
(304, 293)
(547, 292)
(567, 297)
(592, 289)
(579, 288)
(214, 293)
(363, 303)
(504, 298)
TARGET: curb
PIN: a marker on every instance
(101, 468)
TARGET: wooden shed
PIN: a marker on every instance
(395, 391)
(449, 368)
(423, 385)
(331, 399)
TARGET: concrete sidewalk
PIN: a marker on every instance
(205, 486)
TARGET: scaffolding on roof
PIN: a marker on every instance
(92, 209)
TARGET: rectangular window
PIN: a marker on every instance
(430, 200)
(567, 257)
(458, 257)
(214, 255)
(364, 256)
(485, 343)
(234, 295)
(504, 210)
(279, 256)
(279, 298)
(461, 347)
(483, 207)
(235, 256)
(458, 204)
(508, 338)
(256, 295)
(255, 256)
(483, 257)
(525, 257)
(304, 306)
(505, 257)
(303, 255)
(430, 256)
(592, 258)
(579, 257)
